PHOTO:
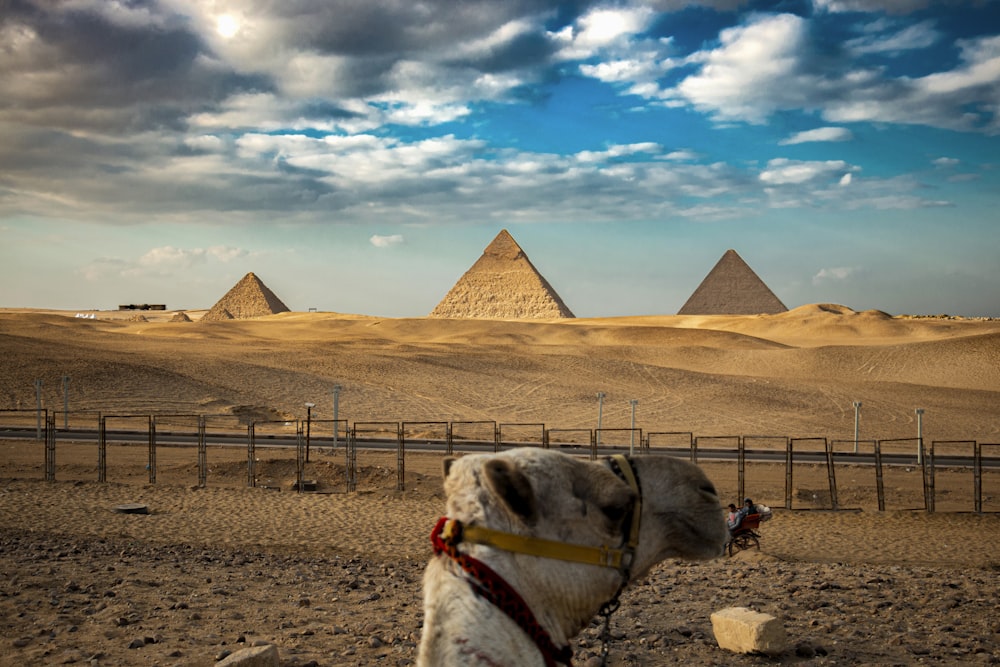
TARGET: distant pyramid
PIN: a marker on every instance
(502, 285)
(180, 316)
(248, 298)
(732, 288)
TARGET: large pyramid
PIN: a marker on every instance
(250, 297)
(502, 285)
(732, 288)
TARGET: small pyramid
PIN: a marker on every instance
(502, 285)
(248, 298)
(732, 288)
(180, 316)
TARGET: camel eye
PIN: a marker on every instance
(615, 513)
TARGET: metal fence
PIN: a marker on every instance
(965, 460)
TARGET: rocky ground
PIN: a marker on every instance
(120, 602)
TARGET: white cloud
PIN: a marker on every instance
(918, 36)
(772, 64)
(837, 273)
(946, 162)
(101, 267)
(600, 29)
(781, 171)
(965, 98)
(819, 134)
(169, 256)
(380, 241)
(874, 6)
(618, 150)
(754, 71)
(166, 260)
(846, 179)
(226, 253)
(682, 155)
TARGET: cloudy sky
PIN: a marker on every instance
(359, 155)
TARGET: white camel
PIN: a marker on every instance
(536, 541)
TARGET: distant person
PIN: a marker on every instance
(733, 518)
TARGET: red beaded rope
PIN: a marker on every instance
(492, 587)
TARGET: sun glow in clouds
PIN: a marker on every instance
(227, 26)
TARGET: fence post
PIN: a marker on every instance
(151, 464)
(102, 450)
(400, 459)
(351, 454)
(879, 484)
(740, 466)
(300, 457)
(50, 449)
(929, 481)
(202, 453)
(831, 474)
(788, 473)
(38, 410)
(251, 455)
(977, 475)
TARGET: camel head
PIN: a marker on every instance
(551, 495)
(542, 497)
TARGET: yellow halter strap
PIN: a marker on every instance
(619, 558)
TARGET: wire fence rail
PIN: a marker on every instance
(451, 437)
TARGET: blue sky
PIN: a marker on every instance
(359, 156)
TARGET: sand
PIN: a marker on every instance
(333, 578)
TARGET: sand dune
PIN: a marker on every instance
(795, 373)
(209, 570)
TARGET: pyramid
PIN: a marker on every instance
(180, 316)
(248, 298)
(502, 285)
(732, 288)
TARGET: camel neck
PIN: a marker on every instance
(489, 585)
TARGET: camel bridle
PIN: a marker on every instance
(449, 533)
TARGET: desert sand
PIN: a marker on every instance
(333, 578)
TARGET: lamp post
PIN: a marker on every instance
(600, 414)
(336, 412)
(631, 441)
(920, 434)
(309, 409)
(857, 415)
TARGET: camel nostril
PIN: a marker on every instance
(709, 489)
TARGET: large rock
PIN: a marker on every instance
(743, 630)
(255, 656)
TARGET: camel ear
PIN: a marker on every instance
(446, 466)
(513, 487)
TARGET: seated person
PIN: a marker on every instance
(733, 518)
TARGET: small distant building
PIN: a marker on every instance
(732, 288)
(143, 306)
